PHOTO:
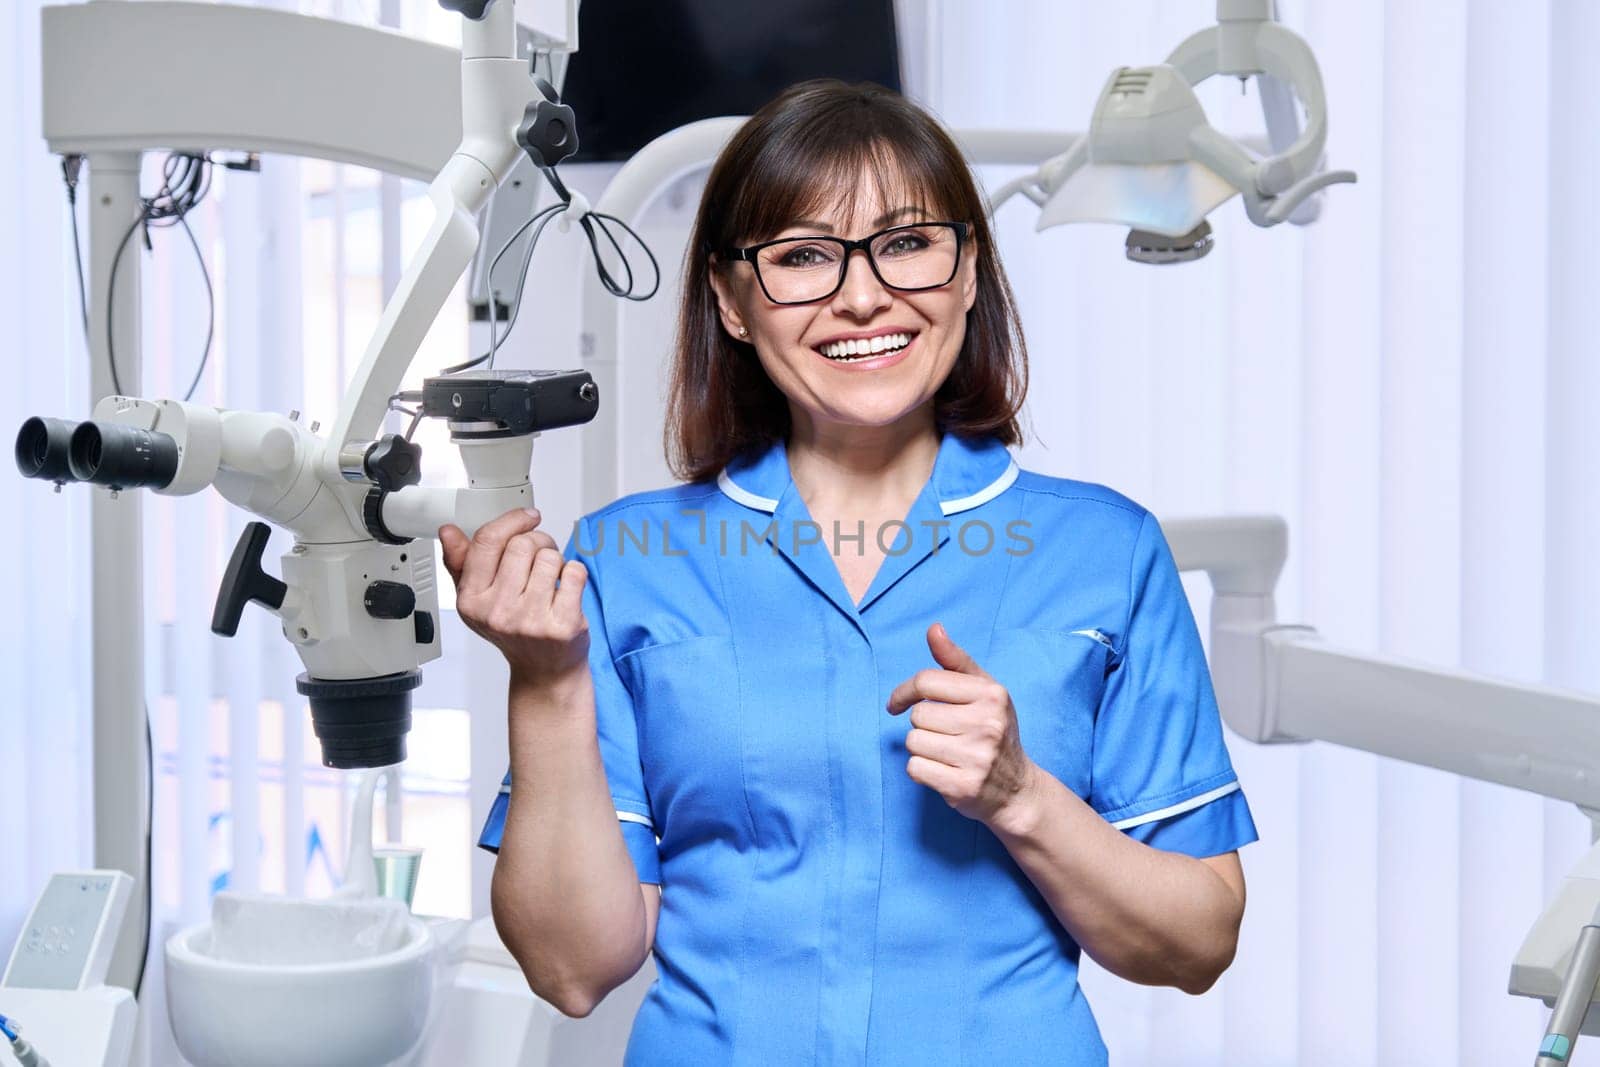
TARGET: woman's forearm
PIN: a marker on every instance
(1146, 915)
(565, 893)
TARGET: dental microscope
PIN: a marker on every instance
(358, 595)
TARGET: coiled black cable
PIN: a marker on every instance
(591, 222)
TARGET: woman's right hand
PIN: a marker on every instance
(506, 592)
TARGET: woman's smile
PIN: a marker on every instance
(873, 351)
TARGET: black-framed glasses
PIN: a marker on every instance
(910, 258)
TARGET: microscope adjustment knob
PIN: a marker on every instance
(244, 581)
(549, 132)
(389, 600)
(394, 463)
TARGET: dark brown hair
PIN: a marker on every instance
(809, 144)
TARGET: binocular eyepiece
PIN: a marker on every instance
(100, 453)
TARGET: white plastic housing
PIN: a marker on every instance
(1135, 166)
(325, 618)
(75, 921)
(1542, 962)
(305, 86)
(77, 1028)
(419, 512)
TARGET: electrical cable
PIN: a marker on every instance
(416, 414)
(149, 831)
(185, 181)
(211, 304)
(543, 219)
(70, 166)
(496, 336)
(590, 221)
(596, 220)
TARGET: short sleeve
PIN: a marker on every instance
(1161, 772)
(617, 730)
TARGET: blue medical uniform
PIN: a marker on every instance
(817, 905)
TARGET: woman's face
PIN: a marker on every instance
(791, 339)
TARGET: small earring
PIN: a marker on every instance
(743, 332)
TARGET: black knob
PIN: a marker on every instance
(472, 9)
(549, 132)
(389, 600)
(244, 581)
(394, 463)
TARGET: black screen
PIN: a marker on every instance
(644, 67)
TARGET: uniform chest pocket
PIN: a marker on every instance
(1055, 679)
(686, 704)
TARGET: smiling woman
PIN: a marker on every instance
(805, 173)
(866, 797)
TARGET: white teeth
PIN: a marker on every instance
(861, 347)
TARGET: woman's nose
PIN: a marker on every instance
(862, 293)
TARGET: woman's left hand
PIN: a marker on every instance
(964, 743)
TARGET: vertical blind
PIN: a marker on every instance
(1408, 382)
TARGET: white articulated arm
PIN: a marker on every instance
(495, 89)
(497, 473)
(1275, 186)
(1283, 683)
(1278, 682)
(1525, 736)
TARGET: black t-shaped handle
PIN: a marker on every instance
(245, 581)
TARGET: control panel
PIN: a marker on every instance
(67, 940)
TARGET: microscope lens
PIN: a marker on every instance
(124, 457)
(42, 449)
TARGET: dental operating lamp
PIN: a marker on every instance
(357, 598)
(1152, 162)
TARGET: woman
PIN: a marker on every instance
(880, 727)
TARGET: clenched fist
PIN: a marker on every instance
(507, 592)
(964, 742)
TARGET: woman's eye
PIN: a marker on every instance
(804, 256)
(904, 244)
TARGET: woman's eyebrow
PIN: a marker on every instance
(883, 220)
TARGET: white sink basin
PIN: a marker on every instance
(362, 1012)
